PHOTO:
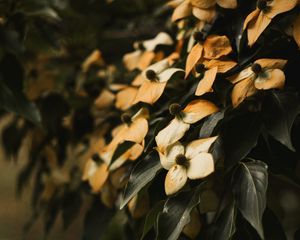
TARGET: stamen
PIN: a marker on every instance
(174, 109)
(200, 68)
(198, 36)
(126, 118)
(181, 159)
(151, 75)
(256, 68)
(262, 5)
(96, 158)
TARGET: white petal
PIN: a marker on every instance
(131, 59)
(167, 157)
(200, 166)
(161, 39)
(167, 74)
(171, 134)
(90, 169)
(157, 67)
(198, 146)
(175, 179)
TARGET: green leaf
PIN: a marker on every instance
(151, 217)
(210, 123)
(176, 214)
(250, 186)
(141, 175)
(121, 148)
(279, 112)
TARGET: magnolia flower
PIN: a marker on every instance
(175, 130)
(192, 161)
(156, 78)
(258, 20)
(144, 54)
(202, 9)
(263, 74)
(213, 47)
(209, 70)
(134, 129)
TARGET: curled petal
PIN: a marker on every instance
(200, 166)
(182, 11)
(168, 156)
(197, 110)
(166, 75)
(206, 83)
(271, 63)
(161, 39)
(231, 4)
(157, 67)
(242, 90)
(192, 59)
(280, 6)
(206, 15)
(125, 98)
(272, 78)
(203, 3)
(171, 134)
(246, 73)
(251, 17)
(198, 146)
(216, 47)
(175, 179)
(150, 92)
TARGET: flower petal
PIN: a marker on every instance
(171, 133)
(223, 66)
(150, 92)
(125, 98)
(197, 146)
(296, 30)
(206, 15)
(206, 83)
(251, 17)
(203, 3)
(99, 177)
(161, 39)
(89, 170)
(105, 99)
(182, 11)
(136, 131)
(272, 78)
(157, 67)
(138, 80)
(256, 28)
(200, 166)
(231, 4)
(145, 60)
(271, 63)
(242, 90)
(131, 60)
(168, 156)
(244, 74)
(216, 47)
(197, 110)
(280, 6)
(175, 179)
(192, 59)
(166, 75)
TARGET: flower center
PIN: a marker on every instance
(126, 118)
(174, 109)
(256, 68)
(181, 159)
(151, 75)
(198, 36)
(96, 158)
(262, 5)
(141, 46)
(200, 68)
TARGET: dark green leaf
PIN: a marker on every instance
(142, 173)
(279, 112)
(176, 214)
(121, 148)
(210, 124)
(250, 186)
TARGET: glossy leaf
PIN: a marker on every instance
(121, 148)
(210, 124)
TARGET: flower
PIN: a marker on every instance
(202, 9)
(144, 54)
(156, 78)
(192, 161)
(213, 47)
(134, 129)
(258, 20)
(209, 69)
(262, 74)
(175, 130)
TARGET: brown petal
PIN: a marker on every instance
(206, 83)
(223, 66)
(271, 63)
(104, 100)
(182, 11)
(256, 28)
(296, 30)
(197, 110)
(216, 46)
(280, 6)
(206, 15)
(175, 179)
(251, 17)
(241, 90)
(131, 60)
(99, 177)
(150, 92)
(125, 98)
(231, 4)
(145, 60)
(272, 78)
(192, 59)
(203, 3)
(138, 80)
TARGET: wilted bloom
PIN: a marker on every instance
(156, 78)
(192, 161)
(258, 20)
(202, 9)
(144, 53)
(263, 74)
(213, 47)
(175, 130)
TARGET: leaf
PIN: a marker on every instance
(210, 124)
(239, 136)
(121, 148)
(250, 186)
(279, 112)
(71, 208)
(142, 173)
(176, 214)
(152, 217)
